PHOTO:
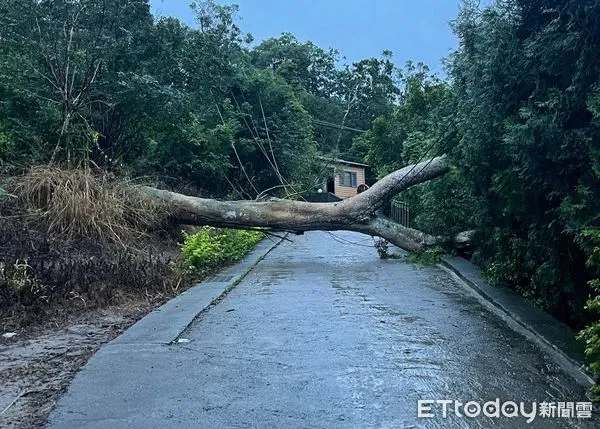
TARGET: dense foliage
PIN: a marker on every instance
(210, 248)
(106, 82)
(591, 334)
(419, 127)
(524, 76)
(519, 120)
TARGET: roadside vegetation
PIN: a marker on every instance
(82, 239)
(211, 248)
(98, 97)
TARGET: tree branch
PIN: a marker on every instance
(353, 214)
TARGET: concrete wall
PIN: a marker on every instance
(346, 191)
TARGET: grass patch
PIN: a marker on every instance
(211, 248)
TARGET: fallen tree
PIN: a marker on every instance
(358, 213)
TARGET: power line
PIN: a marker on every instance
(345, 241)
(336, 126)
(441, 137)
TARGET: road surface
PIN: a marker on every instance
(324, 334)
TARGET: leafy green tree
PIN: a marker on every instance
(275, 143)
(312, 73)
(522, 77)
(56, 53)
(367, 89)
(304, 65)
(419, 127)
(591, 334)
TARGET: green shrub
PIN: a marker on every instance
(591, 334)
(211, 248)
(427, 257)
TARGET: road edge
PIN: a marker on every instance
(548, 333)
(165, 324)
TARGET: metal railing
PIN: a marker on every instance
(400, 213)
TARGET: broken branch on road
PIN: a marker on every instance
(358, 213)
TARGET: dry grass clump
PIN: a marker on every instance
(89, 203)
(45, 277)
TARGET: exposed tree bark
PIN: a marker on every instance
(353, 214)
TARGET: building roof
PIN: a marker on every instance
(341, 161)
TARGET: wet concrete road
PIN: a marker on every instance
(323, 334)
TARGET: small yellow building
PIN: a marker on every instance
(345, 178)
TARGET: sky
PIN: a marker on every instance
(416, 30)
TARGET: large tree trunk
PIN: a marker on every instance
(353, 214)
